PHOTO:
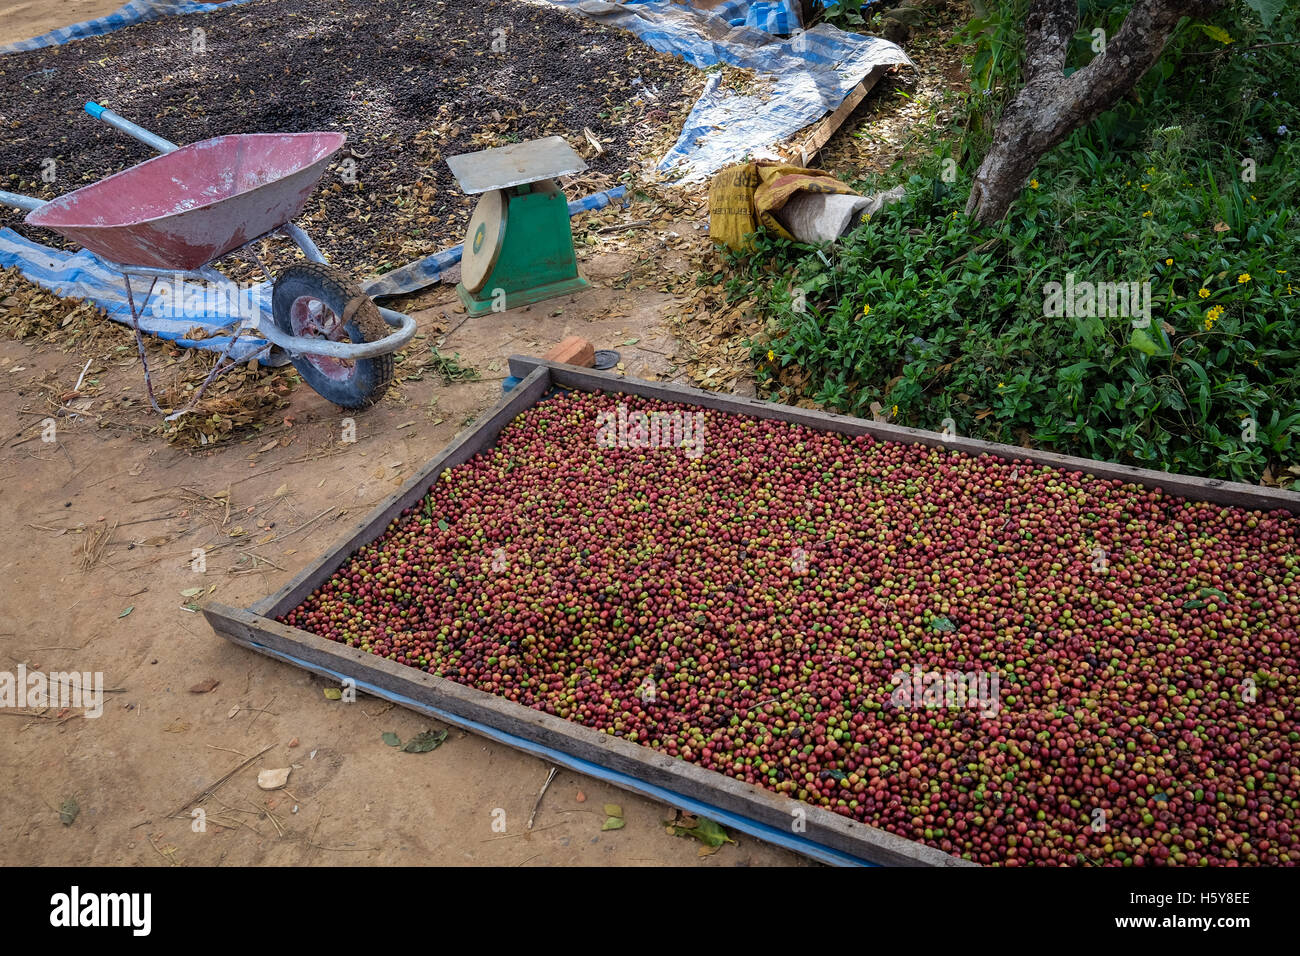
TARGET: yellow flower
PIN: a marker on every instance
(1147, 213)
(1209, 324)
(895, 411)
(1145, 185)
(1280, 272)
(1151, 170)
(866, 309)
(1169, 262)
(1033, 184)
(1204, 293)
(1002, 384)
(1243, 278)
(1213, 315)
(771, 356)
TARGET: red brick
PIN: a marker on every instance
(573, 351)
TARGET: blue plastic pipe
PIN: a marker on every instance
(782, 838)
(152, 140)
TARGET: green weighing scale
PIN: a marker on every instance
(519, 246)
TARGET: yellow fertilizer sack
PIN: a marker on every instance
(747, 198)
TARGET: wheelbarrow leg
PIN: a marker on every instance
(139, 338)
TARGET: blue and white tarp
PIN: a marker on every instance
(174, 310)
(774, 16)
(133, 12)
(811, 73)
(171, 312)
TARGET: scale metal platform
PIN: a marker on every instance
(519, 245)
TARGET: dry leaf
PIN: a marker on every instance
(273, 779)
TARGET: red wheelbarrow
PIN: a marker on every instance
(171, 217)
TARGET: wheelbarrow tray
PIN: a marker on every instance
(186, 208)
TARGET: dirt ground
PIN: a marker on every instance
(25, 19)
(102, 520)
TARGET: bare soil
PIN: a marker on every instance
(24, 19)
(101, 526)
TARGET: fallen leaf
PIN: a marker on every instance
(613, 810)
(126, 612)
(424, 742)
(392, 739)
(206, 686)
(333, 693)
(706, 831)
(68, 811)
(614, 823)
(191, 592)
(282, 491)
(273, 779)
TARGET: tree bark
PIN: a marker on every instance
(1050, 105)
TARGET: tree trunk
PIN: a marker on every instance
(1050, 105)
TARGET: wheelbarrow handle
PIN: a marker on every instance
(19, 201)
(152, 140)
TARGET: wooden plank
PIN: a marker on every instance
(482, 434)
(656, 769)
(1188, 486)
(827, 128)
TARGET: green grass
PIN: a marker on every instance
(1154, 191)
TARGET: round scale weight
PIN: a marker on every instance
(483, 240)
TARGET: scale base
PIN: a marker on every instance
(479, 304)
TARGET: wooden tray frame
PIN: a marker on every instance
(821, 834)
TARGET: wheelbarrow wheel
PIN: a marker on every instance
(313, 299)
